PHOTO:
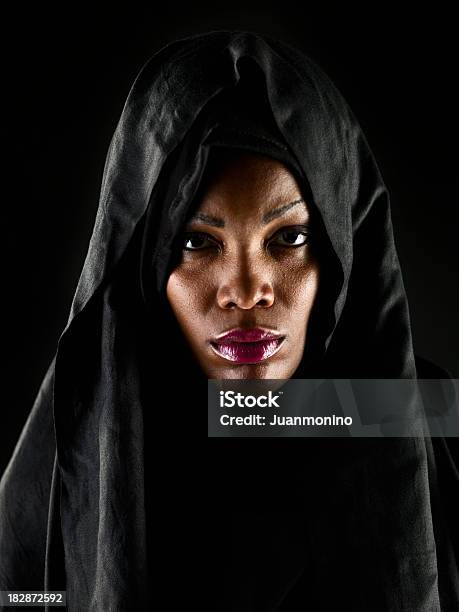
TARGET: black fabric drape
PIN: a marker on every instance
(108, 490)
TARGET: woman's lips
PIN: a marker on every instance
(247, 345)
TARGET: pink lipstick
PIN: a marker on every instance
(247, 345)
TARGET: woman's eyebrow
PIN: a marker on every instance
(278, 212)
(267, 218)
(208, 219)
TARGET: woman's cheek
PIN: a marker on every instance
(187, 289)
(297, 283)
(308, 288)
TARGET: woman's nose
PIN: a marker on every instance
(247, 286)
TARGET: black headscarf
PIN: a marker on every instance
(79, 497)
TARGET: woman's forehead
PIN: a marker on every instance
(246, 183)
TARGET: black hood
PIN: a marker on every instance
(158, 154)
(108, 399)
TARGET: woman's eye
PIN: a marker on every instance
(291, 237)
(197, 241)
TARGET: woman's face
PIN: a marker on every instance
(246, 283)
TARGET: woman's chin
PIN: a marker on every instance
(251, 371)
(253, 380)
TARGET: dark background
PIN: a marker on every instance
(66, 76)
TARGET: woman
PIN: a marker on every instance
(243, 231)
